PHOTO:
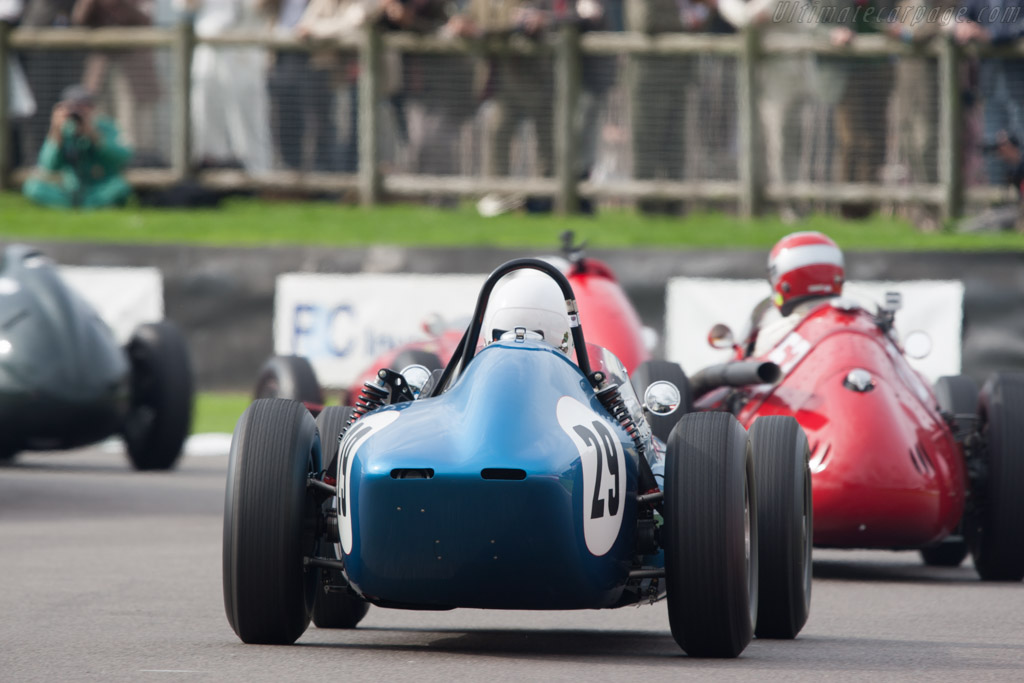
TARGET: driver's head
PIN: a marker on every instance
(804, 265)
(78, 100)
(530, 300)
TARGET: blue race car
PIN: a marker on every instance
(516, 478)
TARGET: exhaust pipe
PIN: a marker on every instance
(738, 374)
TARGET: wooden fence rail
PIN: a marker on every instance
(567, 48)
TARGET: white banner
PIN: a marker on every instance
(343, 322)
(123, 297)
(693, 305)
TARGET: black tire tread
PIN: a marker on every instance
(295, 377)
(268, 593)
(709, 609)
(995, 538)
(780, 453)
(161, 445)
(949, 553)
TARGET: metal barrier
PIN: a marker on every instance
(672, 117)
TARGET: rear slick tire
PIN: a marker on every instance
(785, 526)
(334, 608)
(710, 536)
(269, 522)
(995, 529)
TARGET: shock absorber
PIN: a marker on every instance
(611, 399)
(390, 387)
(370, 398)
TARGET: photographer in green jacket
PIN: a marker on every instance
(81, 161)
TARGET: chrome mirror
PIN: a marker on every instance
(662, 398)
(416, 376)
(720, 337)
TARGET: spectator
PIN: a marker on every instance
(132, 72)
(325, 19)
(711, 102)
(1007, 152)
(301, 97)
(865, 84)
(512, 89)
(21, 103)
(230, 109)
(518, 89)
(1001, 83)
(433, 103)
(81, 161)
(912, 136)
(47, 71)
(785, 84)
(658, 100)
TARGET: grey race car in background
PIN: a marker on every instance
(65, 382)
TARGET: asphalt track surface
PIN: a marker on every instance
(109, 574)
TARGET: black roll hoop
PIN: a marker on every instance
(467, 346)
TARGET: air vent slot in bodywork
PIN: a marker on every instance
(412, 473)
(922, 463)
(503, 473)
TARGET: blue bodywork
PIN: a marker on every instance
(457, 539)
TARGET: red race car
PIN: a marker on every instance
(612, 322)
(894, 463)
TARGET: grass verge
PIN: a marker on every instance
(255, 222)
(217, 411)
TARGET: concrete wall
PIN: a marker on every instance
(223, 297)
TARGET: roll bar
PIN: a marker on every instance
(467, 346)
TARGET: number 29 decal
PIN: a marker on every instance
(604, 472)
(355, 437)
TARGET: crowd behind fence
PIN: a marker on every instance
(752, 119)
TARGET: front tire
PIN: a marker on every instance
(995, 530)
(710, 536)
(334, 608)
(270, 522)
(785, 526)
(949, 553)
(162, 394)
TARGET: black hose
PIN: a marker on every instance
(738, 374)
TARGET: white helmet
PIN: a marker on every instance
(531, 301)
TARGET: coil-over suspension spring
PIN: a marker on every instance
(370, 398)
(389, 387)
(612, 400)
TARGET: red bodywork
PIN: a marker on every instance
(608, 318)
(886, 469)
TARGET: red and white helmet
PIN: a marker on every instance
(803, 265)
